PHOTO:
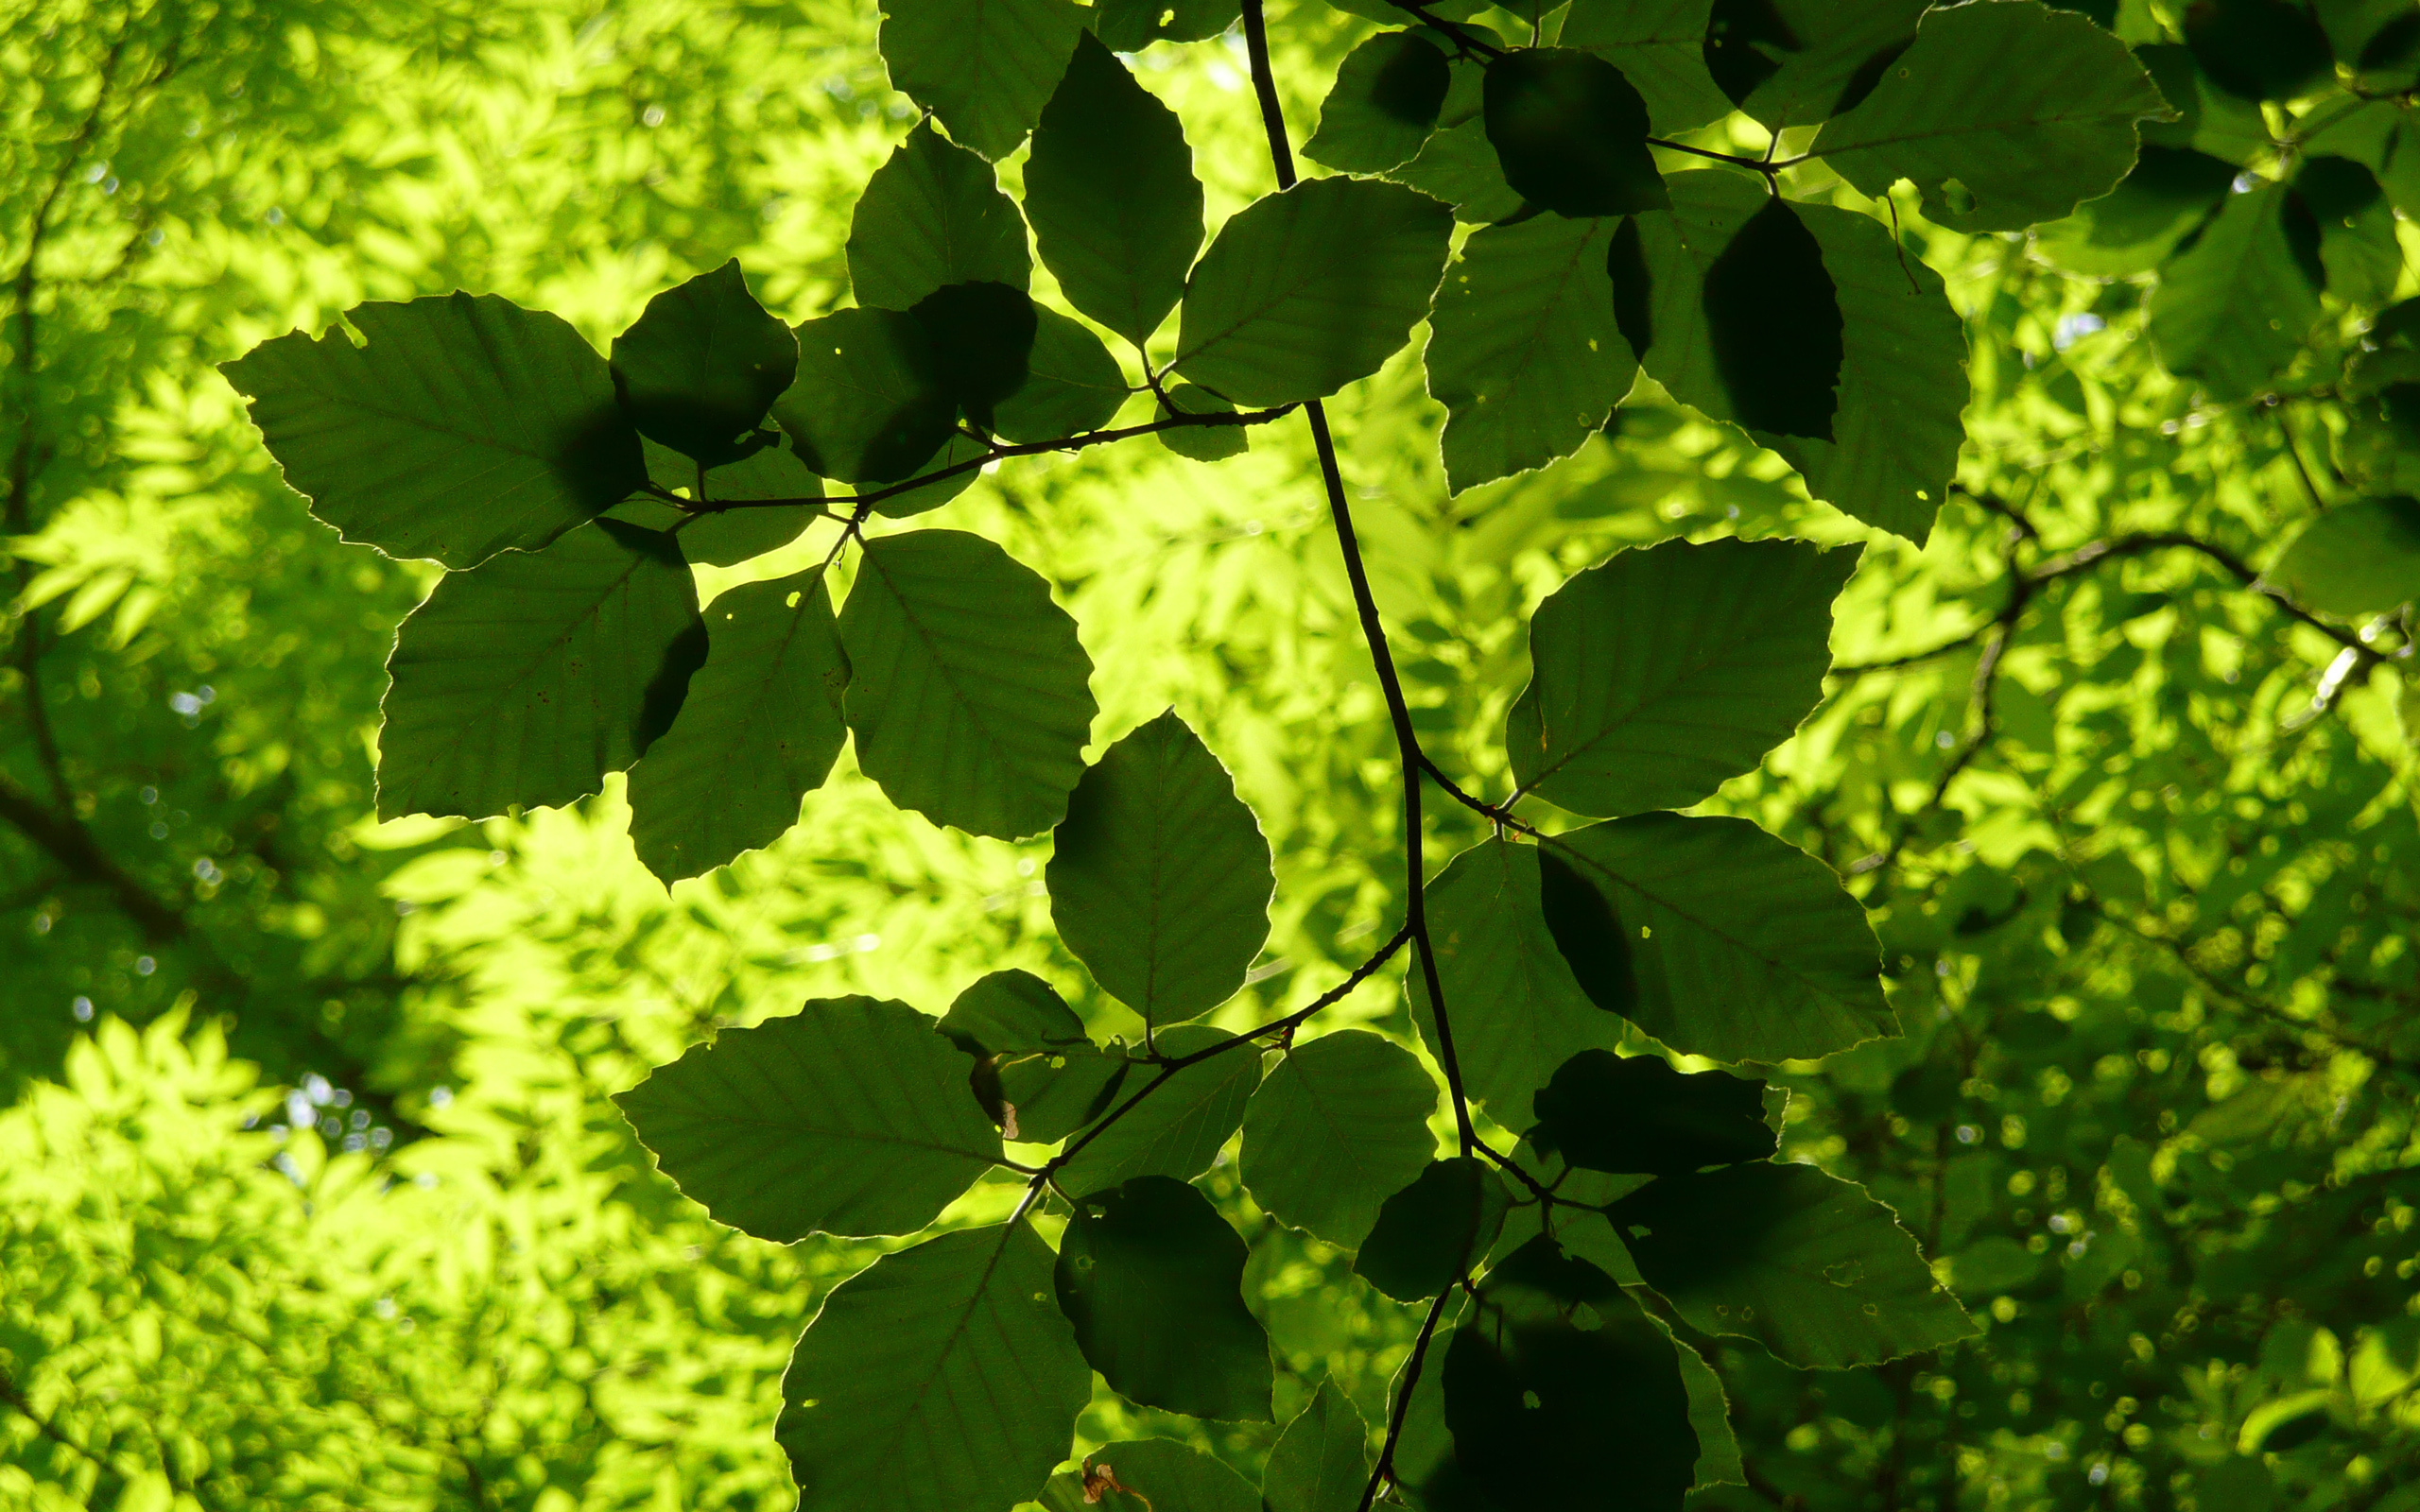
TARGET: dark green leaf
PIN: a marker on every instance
(1203, 443)
(869, 405)
(1558, 1389)
(731, 536)
(2002, 115)
(955, 467)
(1524, 350)
(931, 217)
(1715, 937)
(1130, 26)
(1794, 62)
(1775, 322)
(984, 66)
(1159, 877)
(758, 732)
(2233, 309)
(1151, 1278)
(1010, 1013)
(1434, 1230)
(1322, 1462)
(1659, 47)
(2378, 39)
(1664, 672)
(1517, 1009)
(2359, 249)
(2258, 49)
(1116, 209)
(1149, 1475)
(526, 682)
(462, 425)
(1308, 289)
(982, 336)
(1571, 133)
(2361, 557)
(2205, 118)
(941, 1379)
(2133, 229)
(1384, 104)
(1072, 384)
(1178, 1130)
(1638, 1115)
(1339, 1126)
(1810, 1267)
(1459, 168)
(848, 1117)
(970, 694)
(703, 364)
(1049, 1095)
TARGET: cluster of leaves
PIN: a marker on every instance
(567, 643)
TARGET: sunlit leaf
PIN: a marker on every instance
(871, 403)
(1179, 1129)
(1321, 1463)
(703, 364)
(1340, 1125)
(984, 66)
(1384, 104)
(2232, 310)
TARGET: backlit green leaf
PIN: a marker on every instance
(1072, 383)
(1321, 1463)
(1459, 168)
(2002, 115)
(984, 66)
(1307, 290)
(1638, 1115)
(969, 695)
(1715, 937)
(850, 1116)
(758, 732)
(870, 404)
(1809, 1266)
(1159, 877)
(1117, 211)
(1795, 62)
(1338, 1126)
(700, 367)
(526, 682)
(1524, 352)
(1178, 1130)
(462, 425)
(1013, 1013)
(2361, 557)
(1571, 133)
(1130, 26)
(1664, 672)
(2233, 309)
(1203, 443)
(941, 1379)
(1150, 1475)
(1384, 104)
(722, 538)
(1151, 1279)
(931, 216)
(982, 339)
(1434, 1230)
(1660, 47)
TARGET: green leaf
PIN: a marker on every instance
(1384, 104)
(2258, 49)
(1130, 26)
(1772, 322)
(731, 536)
(1050, 1094)
(1072, 384)
(1660, 47)
(1179, 1129)
(701, 365)
(870, 404)
(1524, 350)
(1638, 1115)
(2361, 557)
(1459, 168)
(1159, 877)
(1809, 1266)
(1571, 133)
(1562, 1402)
(758, 732)
(1012, 1012)
(1202, 443)
(526, 682)
(1150, 1475)
(848, 1117)
(1339, 1126)
(949, 466)
(2002, 115)
(984, 66)
(1795, 62)
(461, 426)
(970, 694)
(1431, 1233)
(1665, 672)
(931, 217)
(1151, 1278)
(2357, 245)
(2233, 309)
(1516, 1010)
(2168, 197)
(1902, 375)
(982, 336)
(2206, 118)
(940, 1379)
(1715, 937)
(1308, 289)
(1321, 1463)
(1116, 209)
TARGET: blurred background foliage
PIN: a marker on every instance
(309, 1192)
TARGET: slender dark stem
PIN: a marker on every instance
(1385, 1468)
(1462, 39)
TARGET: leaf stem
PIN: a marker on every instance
(1384, 1470)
